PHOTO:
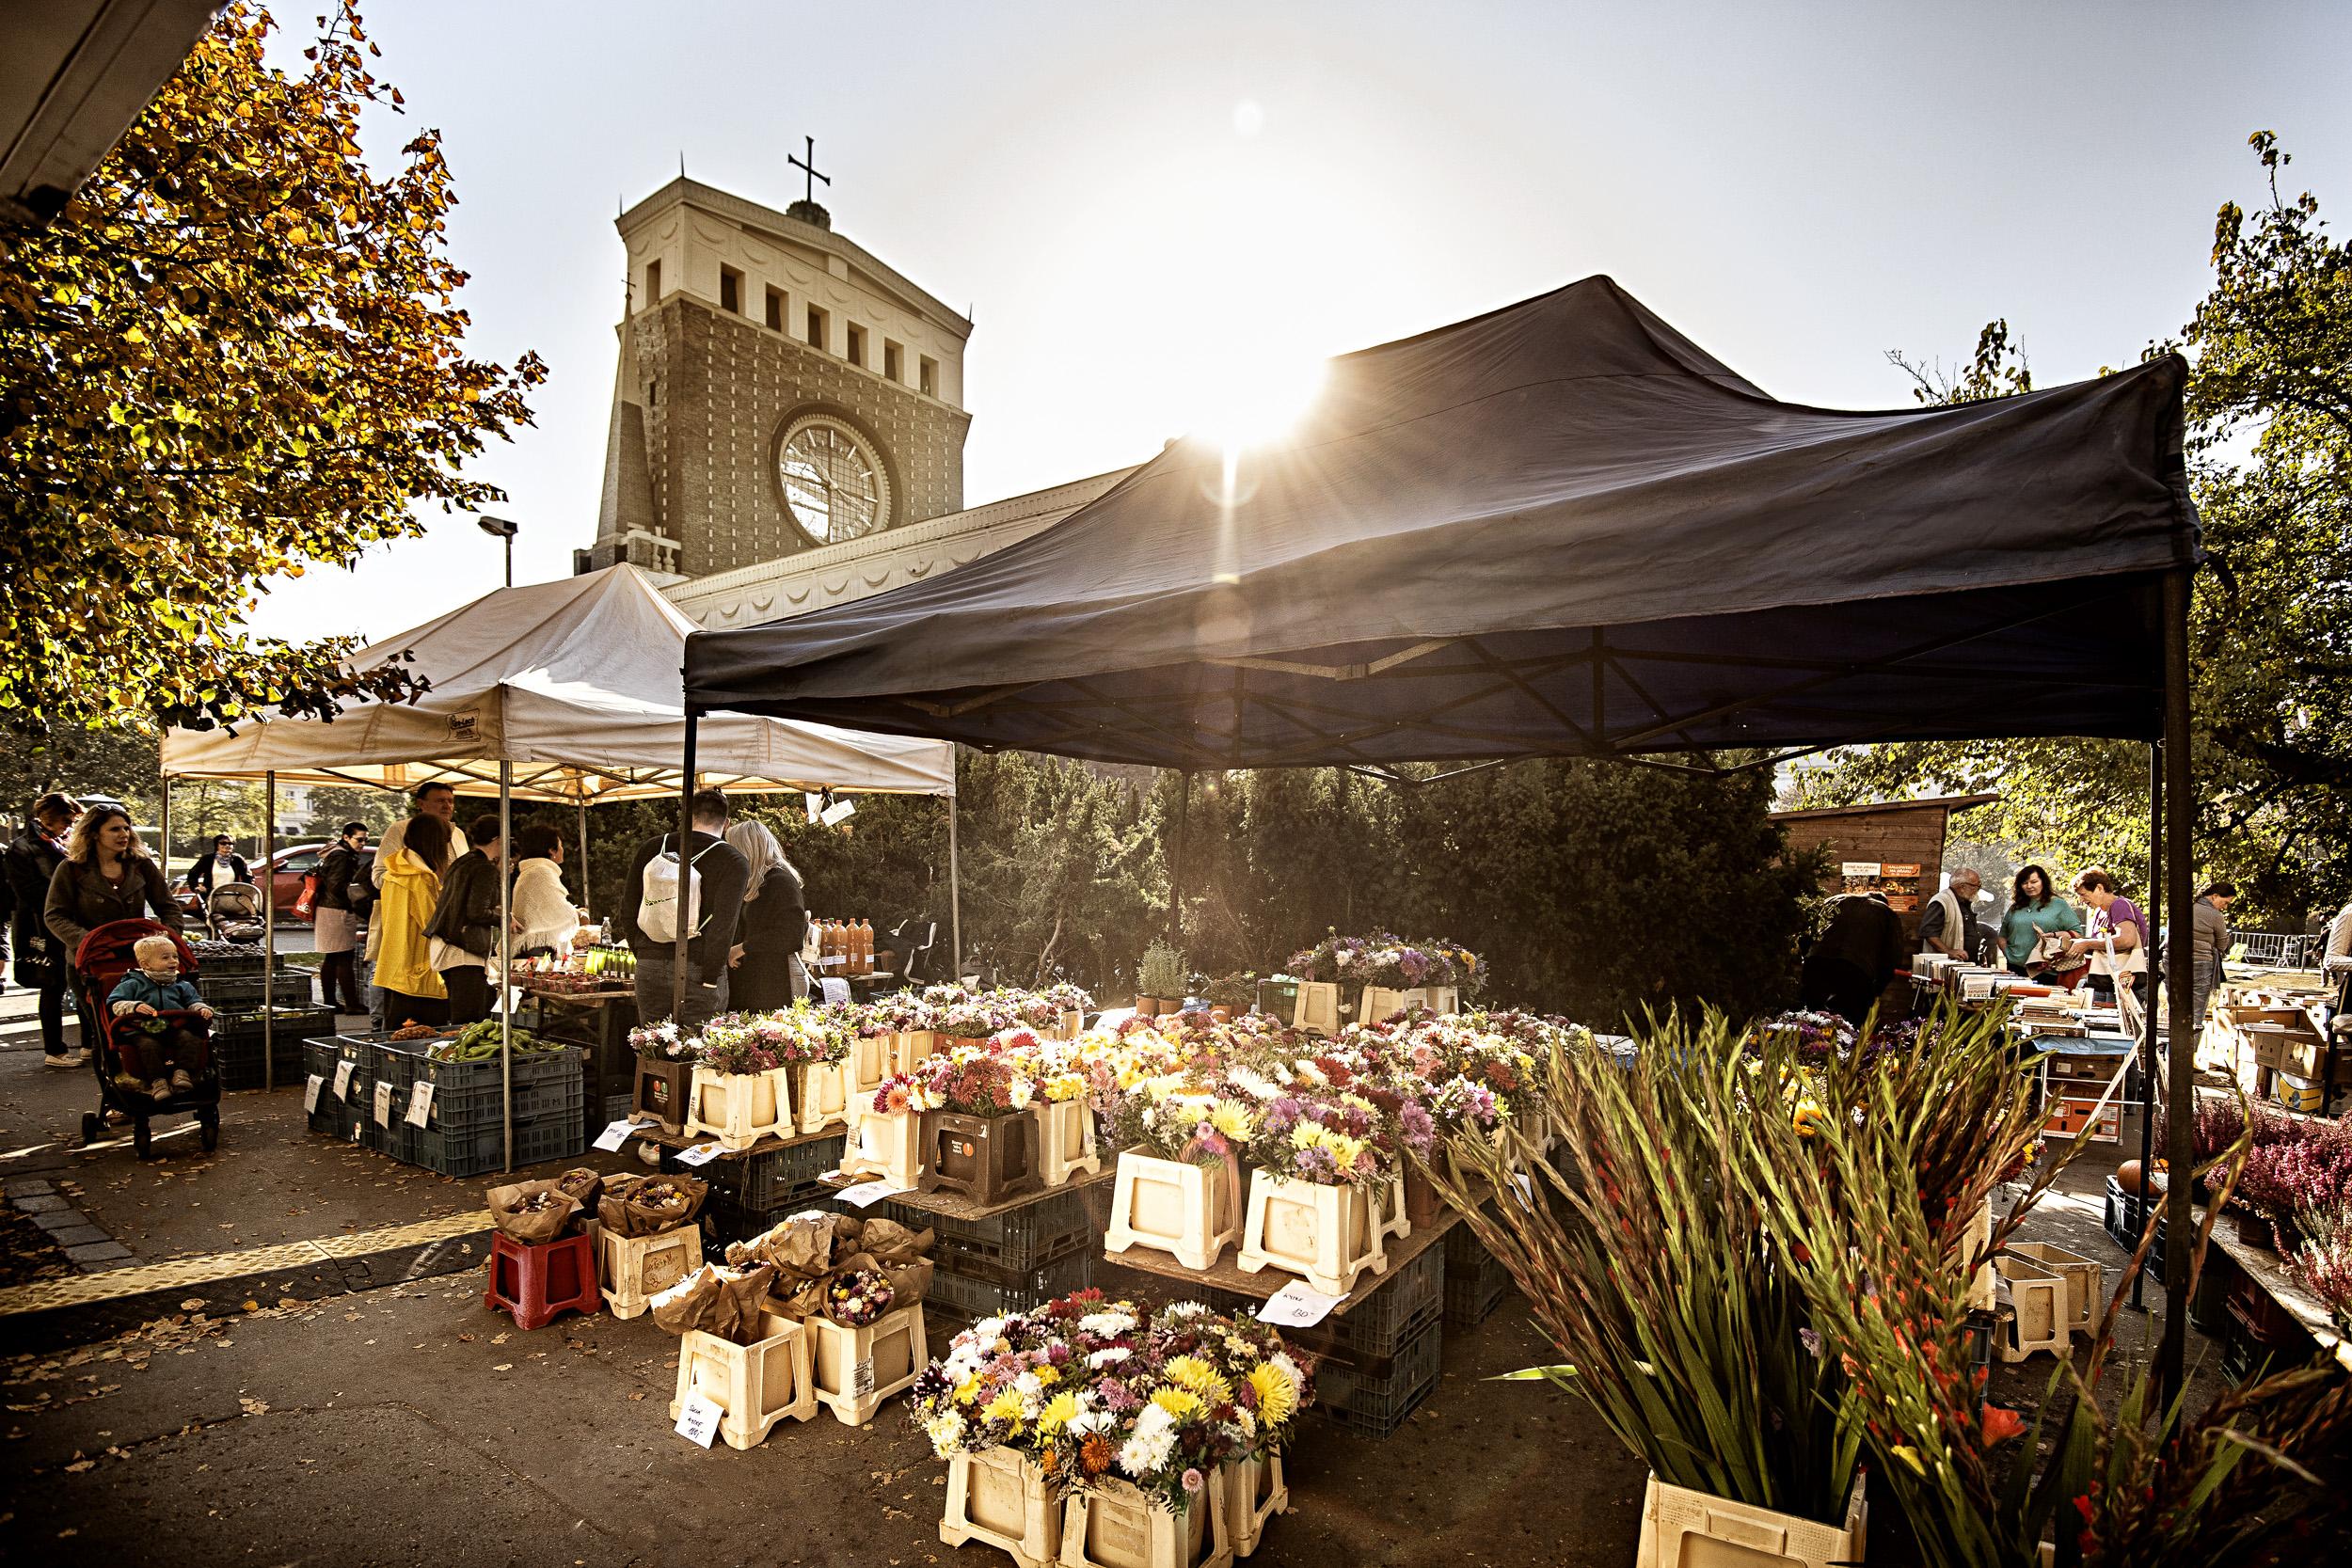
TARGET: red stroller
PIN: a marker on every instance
(100, 964)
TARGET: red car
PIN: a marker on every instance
(288, 869)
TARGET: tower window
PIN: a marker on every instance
(775, 310)
(653, 283)
(731, 290)
(857, 345)
(893, 361)
(927, 373)
(816, 327)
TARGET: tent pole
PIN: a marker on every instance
(955, 895)
(164, 854)
(506, 957)
(685, 865)
(1176, 862)
(2180, 962)
(2149, 1076)
(585, 901)
(269, 928)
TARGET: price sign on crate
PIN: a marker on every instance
(310, 1091)
(701, 1154)
(1297, 1306)
(383, 1104)
(420, 1102)
(343, 1079)
(700, 1421)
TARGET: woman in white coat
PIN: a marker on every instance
(544, 917)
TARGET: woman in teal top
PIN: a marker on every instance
(2034, 906)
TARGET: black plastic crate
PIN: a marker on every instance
(726, 1220)
(327, 1116)
(237, 1045)
(768, 1178)
(288, 987)
(1375, 1395)
(2127, 1214)
(1020, 1239)
(967, 1291)
(1472, 1298)
(470, 1095)
(478, 1152)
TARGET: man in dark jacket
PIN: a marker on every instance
(1855, 959)
(336, 924)
(221, 867)
(464, 931)
(30, 863)
(720, 877)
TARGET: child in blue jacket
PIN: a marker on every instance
(160, 1055)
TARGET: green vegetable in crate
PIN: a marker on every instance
(479, 1042)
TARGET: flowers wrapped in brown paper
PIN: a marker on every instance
(724, 1302)
(900, 1254)
(801, 1251)
(532, 1211)
(649, 1204)
(584, 1184)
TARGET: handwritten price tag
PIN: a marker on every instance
(866, 1194)
(310, 1091)
(616, 1133)
(701, 1154)
(383, 1104)
(420, 1102)
(343, 1079)
(699, 1423)
(1297, 1306)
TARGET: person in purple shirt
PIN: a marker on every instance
(2111, 915)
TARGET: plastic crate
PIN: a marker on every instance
(1375, 1395)
(1472, 1298)
(967, 1290)
(479, 1152)
(329, 1117)
(288, 987)
(770, 1177)
(237, 1046)
(2127, 1213)
(469, 1096)
(1019, 1239)
(1979, 1337)
(724, 1220)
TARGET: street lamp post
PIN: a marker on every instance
(500, 528)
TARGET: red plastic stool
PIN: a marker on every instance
(535, 1284)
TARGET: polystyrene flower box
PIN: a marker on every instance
(1254, 1493)
(871, 1060)
(884, 1144)
(857, 1368)
(1381, 1002)
(1325, 1235)
(739, 1108)
(1443, 999)
(1118, 1527)
(756, 1384)
(635, 1269)
(820, 1095)
(913, 1045)
(1683, 1528)
(987, 1158)
(2038, 1319)
(2084, 1278)
(1190, 1210)
(998, 1498)
(1318, 1009)
(1065, 1145)
(662, 1090)
(1394, 1216)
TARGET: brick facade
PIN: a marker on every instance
(717, 391)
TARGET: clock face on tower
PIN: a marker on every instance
(834, 482)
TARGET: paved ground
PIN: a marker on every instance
(407, 1424)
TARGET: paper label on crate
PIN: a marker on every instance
(835, 991)
(420, 1102)
(1297, 1306)
(343, 1079)
(861, 1377)
(866, 1194)
(383, 1104)
(616, 1133)
(699, 1423)
(701, 1154)
(310, 1091)
(1526, 1184)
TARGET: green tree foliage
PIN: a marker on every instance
(235, 355)
(118, 761)
(2270, 403)
(332, 805)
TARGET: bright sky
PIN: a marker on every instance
(1155, 212)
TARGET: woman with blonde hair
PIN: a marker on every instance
(764, 968)
(106, 874)
(397, 945)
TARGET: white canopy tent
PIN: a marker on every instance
(565, 691)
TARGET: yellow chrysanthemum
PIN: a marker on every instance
(1005, 1407)
(1277, 1396)
(1049, 1374)
(1193, 1373)
(1179, 1403)
(1230, 1117)
(968, 1391)
(1307, 1134)
(1058, 1413)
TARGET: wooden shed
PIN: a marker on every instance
(1892, 846)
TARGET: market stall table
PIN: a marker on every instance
(599, 1022)
(2268, 1271)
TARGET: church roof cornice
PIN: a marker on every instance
(684, 191)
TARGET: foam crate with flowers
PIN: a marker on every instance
(1384, 975)
(1133, 1421)
(1178, 1187)
(665, 1072)
(1066, 1145)
(739, 1093)
(977, 1136)
(1324, 1173)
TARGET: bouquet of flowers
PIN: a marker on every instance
(1097, 1391)
(1390, 961)
(982, 1080)
(660, 1042)
(856, 1297)
(1329, 1136)
(1054, 1069)
(734, 1042)
(966, 1016)
(903, 1012)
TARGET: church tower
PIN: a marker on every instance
(779, 391)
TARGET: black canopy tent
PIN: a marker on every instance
(1561, 529)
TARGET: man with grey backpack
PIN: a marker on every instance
(702, 890)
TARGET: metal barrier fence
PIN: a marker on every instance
(2275, 949)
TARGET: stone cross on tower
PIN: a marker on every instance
(807, 209)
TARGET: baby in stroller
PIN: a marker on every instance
(159, 1055)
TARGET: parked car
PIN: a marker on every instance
(288, 870)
